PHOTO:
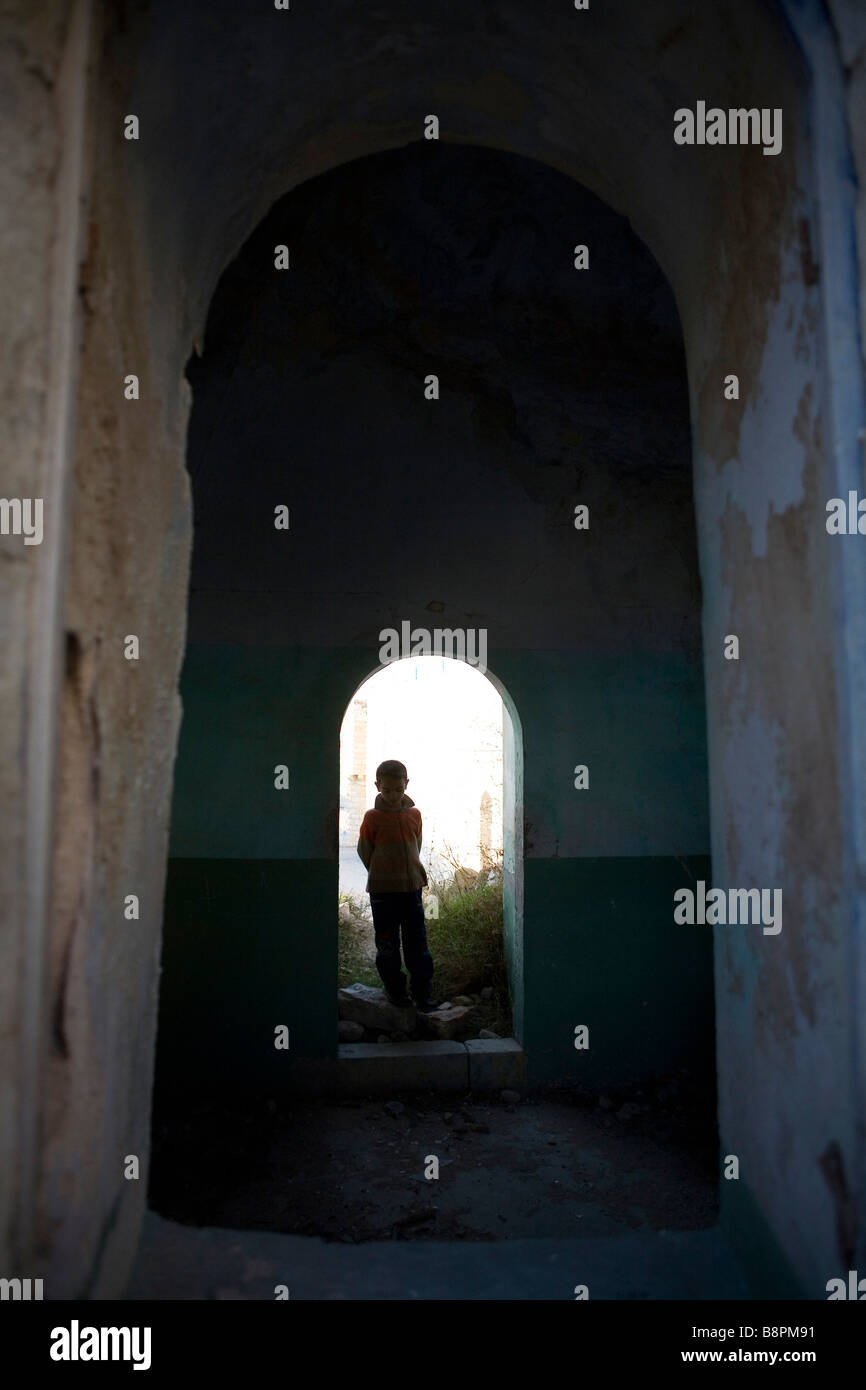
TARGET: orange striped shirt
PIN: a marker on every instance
(389, 845)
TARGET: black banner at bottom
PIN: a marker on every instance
(222, 1338)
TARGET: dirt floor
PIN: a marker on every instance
(559, 1163)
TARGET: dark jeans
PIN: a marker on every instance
(393, 913)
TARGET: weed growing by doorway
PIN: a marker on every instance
(356, 950)
(465, 939)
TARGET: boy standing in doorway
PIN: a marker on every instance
(389, 845)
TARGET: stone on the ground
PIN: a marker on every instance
(487, 1033)
(454, 1021)
(394, 1107)
(465, 878)
(372, 1008)
(384, 1038)
(628, 1111)
(510, 1097)
(487, 992)
(347, 1031)
(462, 999)
(351, 919)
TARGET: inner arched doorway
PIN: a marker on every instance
(460, 732)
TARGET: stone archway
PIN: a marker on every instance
(594, 633)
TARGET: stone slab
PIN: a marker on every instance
(496, 1064)
(382, 1068)
(480, 1064)
(371, 1007)
(455, 1022)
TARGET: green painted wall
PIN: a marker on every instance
(244, 950)
(603, 950)
(512, 858)
(250, 906)
(246, 710)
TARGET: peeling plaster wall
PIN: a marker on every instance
(43, 92)
(849, 19)
(836, 100)
(235, 113)
(127, 570)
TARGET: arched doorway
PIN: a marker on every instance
(462, 736)
(432, 435)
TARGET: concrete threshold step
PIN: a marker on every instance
(182, 1262)
(480, 1064)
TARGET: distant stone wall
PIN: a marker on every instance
(355, 785)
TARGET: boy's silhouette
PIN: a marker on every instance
(389, 845)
